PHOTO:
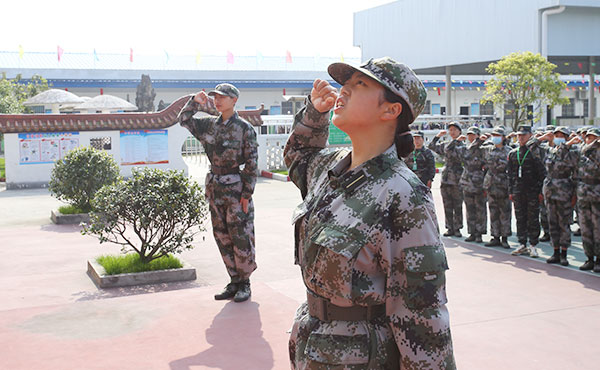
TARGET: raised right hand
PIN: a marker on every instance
(441, 133)
(323, 95)
(201, 97)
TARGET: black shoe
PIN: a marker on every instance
(457, 234)
(470, 238)
(597, 265)
(555, 258)
(504, 242)
(563, 258)
(545, 238)
(588, 265)
(495, 242)
(243, 292)
(577, 232)
(449, 233)
(478, 239)
(227, 293)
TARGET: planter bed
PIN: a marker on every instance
(74, 219)
(98, 275)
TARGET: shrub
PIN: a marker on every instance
(153, 213)
(80, 174)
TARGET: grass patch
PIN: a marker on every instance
(69, 210)
(2, 168)
(439, 165)
(129, 263)
(282, 172)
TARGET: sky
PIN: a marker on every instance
(183, 27)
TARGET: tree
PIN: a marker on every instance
(14, 92)
(521, 80)
(159, 208)
(145, 94)
(80, 174)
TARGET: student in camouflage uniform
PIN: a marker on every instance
(421, 161)
(588, 198)
(559, 189)
(496, 186)
(526, 176)
(452, 196)
(471, 182)
(230, 143)
(367, 239)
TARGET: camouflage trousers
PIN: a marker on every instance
(544, 218)
(500, 214)
(453, 198)
(232, 228)
(476, 212)
(527, 212)
(589, 221)
(559, 219)
(341, 345)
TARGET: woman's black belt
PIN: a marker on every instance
(324, 310)
(224, 170)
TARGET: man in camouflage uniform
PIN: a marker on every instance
(526, 176)
(559, 189)
(588, 198)
(367, 240)
(495, 184)
(231, 147)
(421, 161)
(471, 182)
(452, 196)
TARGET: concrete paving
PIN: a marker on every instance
(507, 312)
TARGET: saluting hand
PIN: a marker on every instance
(201, 97)
(441, 133)
(546, 136)
(323, 95)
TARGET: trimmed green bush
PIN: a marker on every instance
(130, 263)
(154, 213)
(77, 177)
(69, 210)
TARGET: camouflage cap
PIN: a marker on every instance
(593, 131)
(474, 130)
(395, 76)
(563, 129)
(455, 124)
(524, 130)
(498, 130)
(417, 133)
(549, 128)
(226, 90)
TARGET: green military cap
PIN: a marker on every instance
(225, 90)
(498, 130)
(397, 77)
(455, 124)
(581, 130)
(549, 128)
(524, 129)
(474, 130)
(593, 131)
(563, 129)
(418, 133)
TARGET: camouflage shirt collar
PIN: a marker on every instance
(350, 180)
(231, 119)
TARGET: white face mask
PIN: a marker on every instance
(497, 140)
(559, 140)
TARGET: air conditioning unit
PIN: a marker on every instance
(581, 94)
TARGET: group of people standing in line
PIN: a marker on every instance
(546, 175)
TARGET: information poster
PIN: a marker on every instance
(46, 147)
(144, 147)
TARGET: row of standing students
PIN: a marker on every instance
(544, 175)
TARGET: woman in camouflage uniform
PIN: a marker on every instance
(367, 239)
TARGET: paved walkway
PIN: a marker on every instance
(506, 312)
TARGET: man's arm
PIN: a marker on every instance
(430, 164)
(197, 103)
(434, 146)
(250, 171)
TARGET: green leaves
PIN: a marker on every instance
(521, 80)
(154, 213)
(80, 174)
(13, 93)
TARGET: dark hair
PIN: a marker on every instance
(404, 143)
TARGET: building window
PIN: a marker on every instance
(586, 107)
(101, 143)
(486, 109)
(287, 107)
(275, 109)
(427, 109)
(568, 110)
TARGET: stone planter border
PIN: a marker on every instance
(98, 275)
(74, 219)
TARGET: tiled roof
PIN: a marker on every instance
(18, 123)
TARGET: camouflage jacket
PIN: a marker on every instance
(560, 163)
(369, 236)
(471, 180)
(228, 145)
(525, 172)
(588, 187)
(451, 151)
(422, 162)
(496, 167)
